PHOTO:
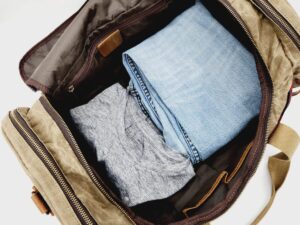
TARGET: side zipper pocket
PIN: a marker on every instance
(268, 9)
(76, 149)
(41, 151)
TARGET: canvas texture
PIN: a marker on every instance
(280, 55)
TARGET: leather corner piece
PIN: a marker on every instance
(110, 43)
(40, 203)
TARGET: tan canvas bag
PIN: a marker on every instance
(68, 67)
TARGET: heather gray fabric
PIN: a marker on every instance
(136, 157)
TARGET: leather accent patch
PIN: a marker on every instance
(110, 43)
(40, 203)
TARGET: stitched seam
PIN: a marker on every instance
(97, 29)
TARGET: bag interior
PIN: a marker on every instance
(215, 177)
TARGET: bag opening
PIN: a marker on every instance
(209, 193)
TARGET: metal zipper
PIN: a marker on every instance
(243, 25)
(42, 152)
(78, 151)
(233, 12)
(269, 10)
(86, 67)
(81, 74)
(65, 129)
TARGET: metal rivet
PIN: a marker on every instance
(71, 89)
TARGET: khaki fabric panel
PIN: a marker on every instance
(293, 18)
(100, 208)
(285, 9)
(39, 175)
(278, 52)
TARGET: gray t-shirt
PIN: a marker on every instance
(135, 154)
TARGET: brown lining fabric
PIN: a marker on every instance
(207, 195)
(225, 176)
(49, 40)
(73, 44)
(209, 209)
(110, 43)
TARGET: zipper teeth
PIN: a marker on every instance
(244, 27)
(234, 14)
(275, 15)
(232, 11)
(39, 148)
(279, 20)
(86, 165)
(131, 20)
(241, 22)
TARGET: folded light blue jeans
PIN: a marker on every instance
(196, 81)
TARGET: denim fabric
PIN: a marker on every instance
(137, 159)
(196, 81)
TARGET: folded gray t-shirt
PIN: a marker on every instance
(136, 157)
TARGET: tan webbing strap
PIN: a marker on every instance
(286, 140)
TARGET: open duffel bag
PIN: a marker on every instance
(83, 57)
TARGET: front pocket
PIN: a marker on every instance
(41, 151)
(96, 192)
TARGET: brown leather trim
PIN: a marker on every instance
(110, 43)
(40, 202)
(33, 84)
(254, 157)
(207, 195)
(224, 176)
(82, 73)
(239, 165)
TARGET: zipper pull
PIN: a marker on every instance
(40, 202)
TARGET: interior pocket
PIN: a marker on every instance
(208, 187)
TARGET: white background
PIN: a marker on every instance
(25, 22)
